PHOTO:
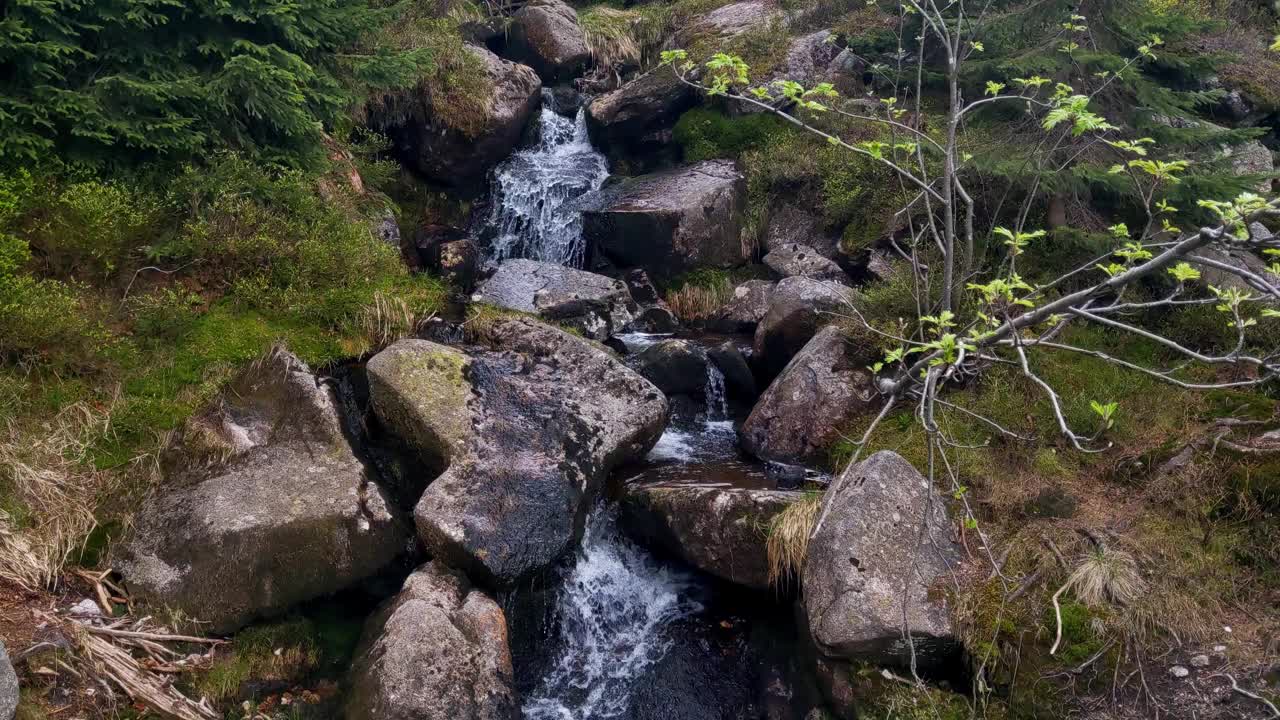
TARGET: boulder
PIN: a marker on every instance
(676, 367)
(729, 21)
(437, 651)
(1251, 158)
(809, 58)
(795, 260)
(657, 319)
(545, 35)
(811, 404)
(642, 288)
(738, 379)
(748, 307)
(458, 151)
(528, 424)
(459, 263)
(868, 555)
(268, 506)
(8, 686)
(789, 224)
(599, 306)
(639, 115)
(1236, 257)
(719, 530)
(798, 308)
(671, 221)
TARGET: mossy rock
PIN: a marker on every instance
(420, 391)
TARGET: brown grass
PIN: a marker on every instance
(787, 544)
(695, 303)
(386, 320)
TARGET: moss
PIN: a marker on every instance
(706, 134)
(284, 652)
(881, 699)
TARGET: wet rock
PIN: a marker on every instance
(8, 686)
(798, 308)
(437, 651)
(739, 381)
(599, 306)
(671, 221)
(811, 404)
(867, 553)
(269, 506)
(459, 263)
(424, 251)
(642, 288)
(717, 530)
(676, 367)
(529, 424)
(638, 116)
(545, 35)
(748, 307)
(456, 151)
(795, 260)
(654, 320)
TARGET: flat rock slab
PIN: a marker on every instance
(598, 306)
(796, 260)
(271, 506)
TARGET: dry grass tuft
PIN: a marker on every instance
(621, 38)
(1106, 575)
(788, 539)
(695, 303)
(386, 320)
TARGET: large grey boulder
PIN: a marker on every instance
(676, 367)
(671, 221)
(526, 426)
(790, 224)
(8, 686)
(798, 308)
(546, 36)
(598, 306)
(437, 651)
(640, 115)
(719, 530)
(796, 260)
(870, 555)
(268, 506)
(748, 307)
(729, 21)
(458, 149)
(811, 404)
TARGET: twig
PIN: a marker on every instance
(158, 637)
(1057, 613)
(1275, 712)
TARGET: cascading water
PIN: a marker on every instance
(614, 609)
(535, 215)
(717, 402)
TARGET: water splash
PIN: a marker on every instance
(614, 610)
(535, 193)
(717, 402)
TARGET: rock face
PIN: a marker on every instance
(748, 307)
(799, 307)
(640, 114)
(671, 221)
(8, 686)
(676, 367)
(795, 260)
(545, 35)
(528, 430)
(803, 413)
(436, 651)
(450, 152)
(717, 530)
(597, 305)
(868, 549)
(289, 515)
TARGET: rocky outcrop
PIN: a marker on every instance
(8, 686)
(676, 367)
(599, 306)
(270, 506)
(671, 221)
(545, 35)
(527, 426)
(639, 116)
(795, 260)
(437, 651)
(748, 307)
(459, 150)
(715, 529)
(798, 308)
(869, 556)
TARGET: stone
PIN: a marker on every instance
(267, 506)
(1178, 671)
(789, 224)
(676, 367)
(739, 382)
(599, 306)
(642, 288)
(718, 530)
(1200, 661)
(9, 690)
(795, 260)
(729, 21)
(1236, 257)
(638, 116)
(657, 319)
(846, 72)
(528, 424)
(437, 651)
(456, 151)
(671, 221)
(546, 36)
(869, 555)
(812, 404)
(459, 262)
(798, 308)
(387, 229)
(748, 307)
(1251, 158)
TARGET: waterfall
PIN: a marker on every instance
(717, 403)
(535, 192)
(614, 608)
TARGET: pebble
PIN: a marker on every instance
(1179, 671)
(1200, 661)
(1220, 649)
(86, 608)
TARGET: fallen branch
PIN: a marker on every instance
(156, 637)
(1275, 712)
(137, 682)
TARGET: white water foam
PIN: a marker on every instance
(614, 610)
